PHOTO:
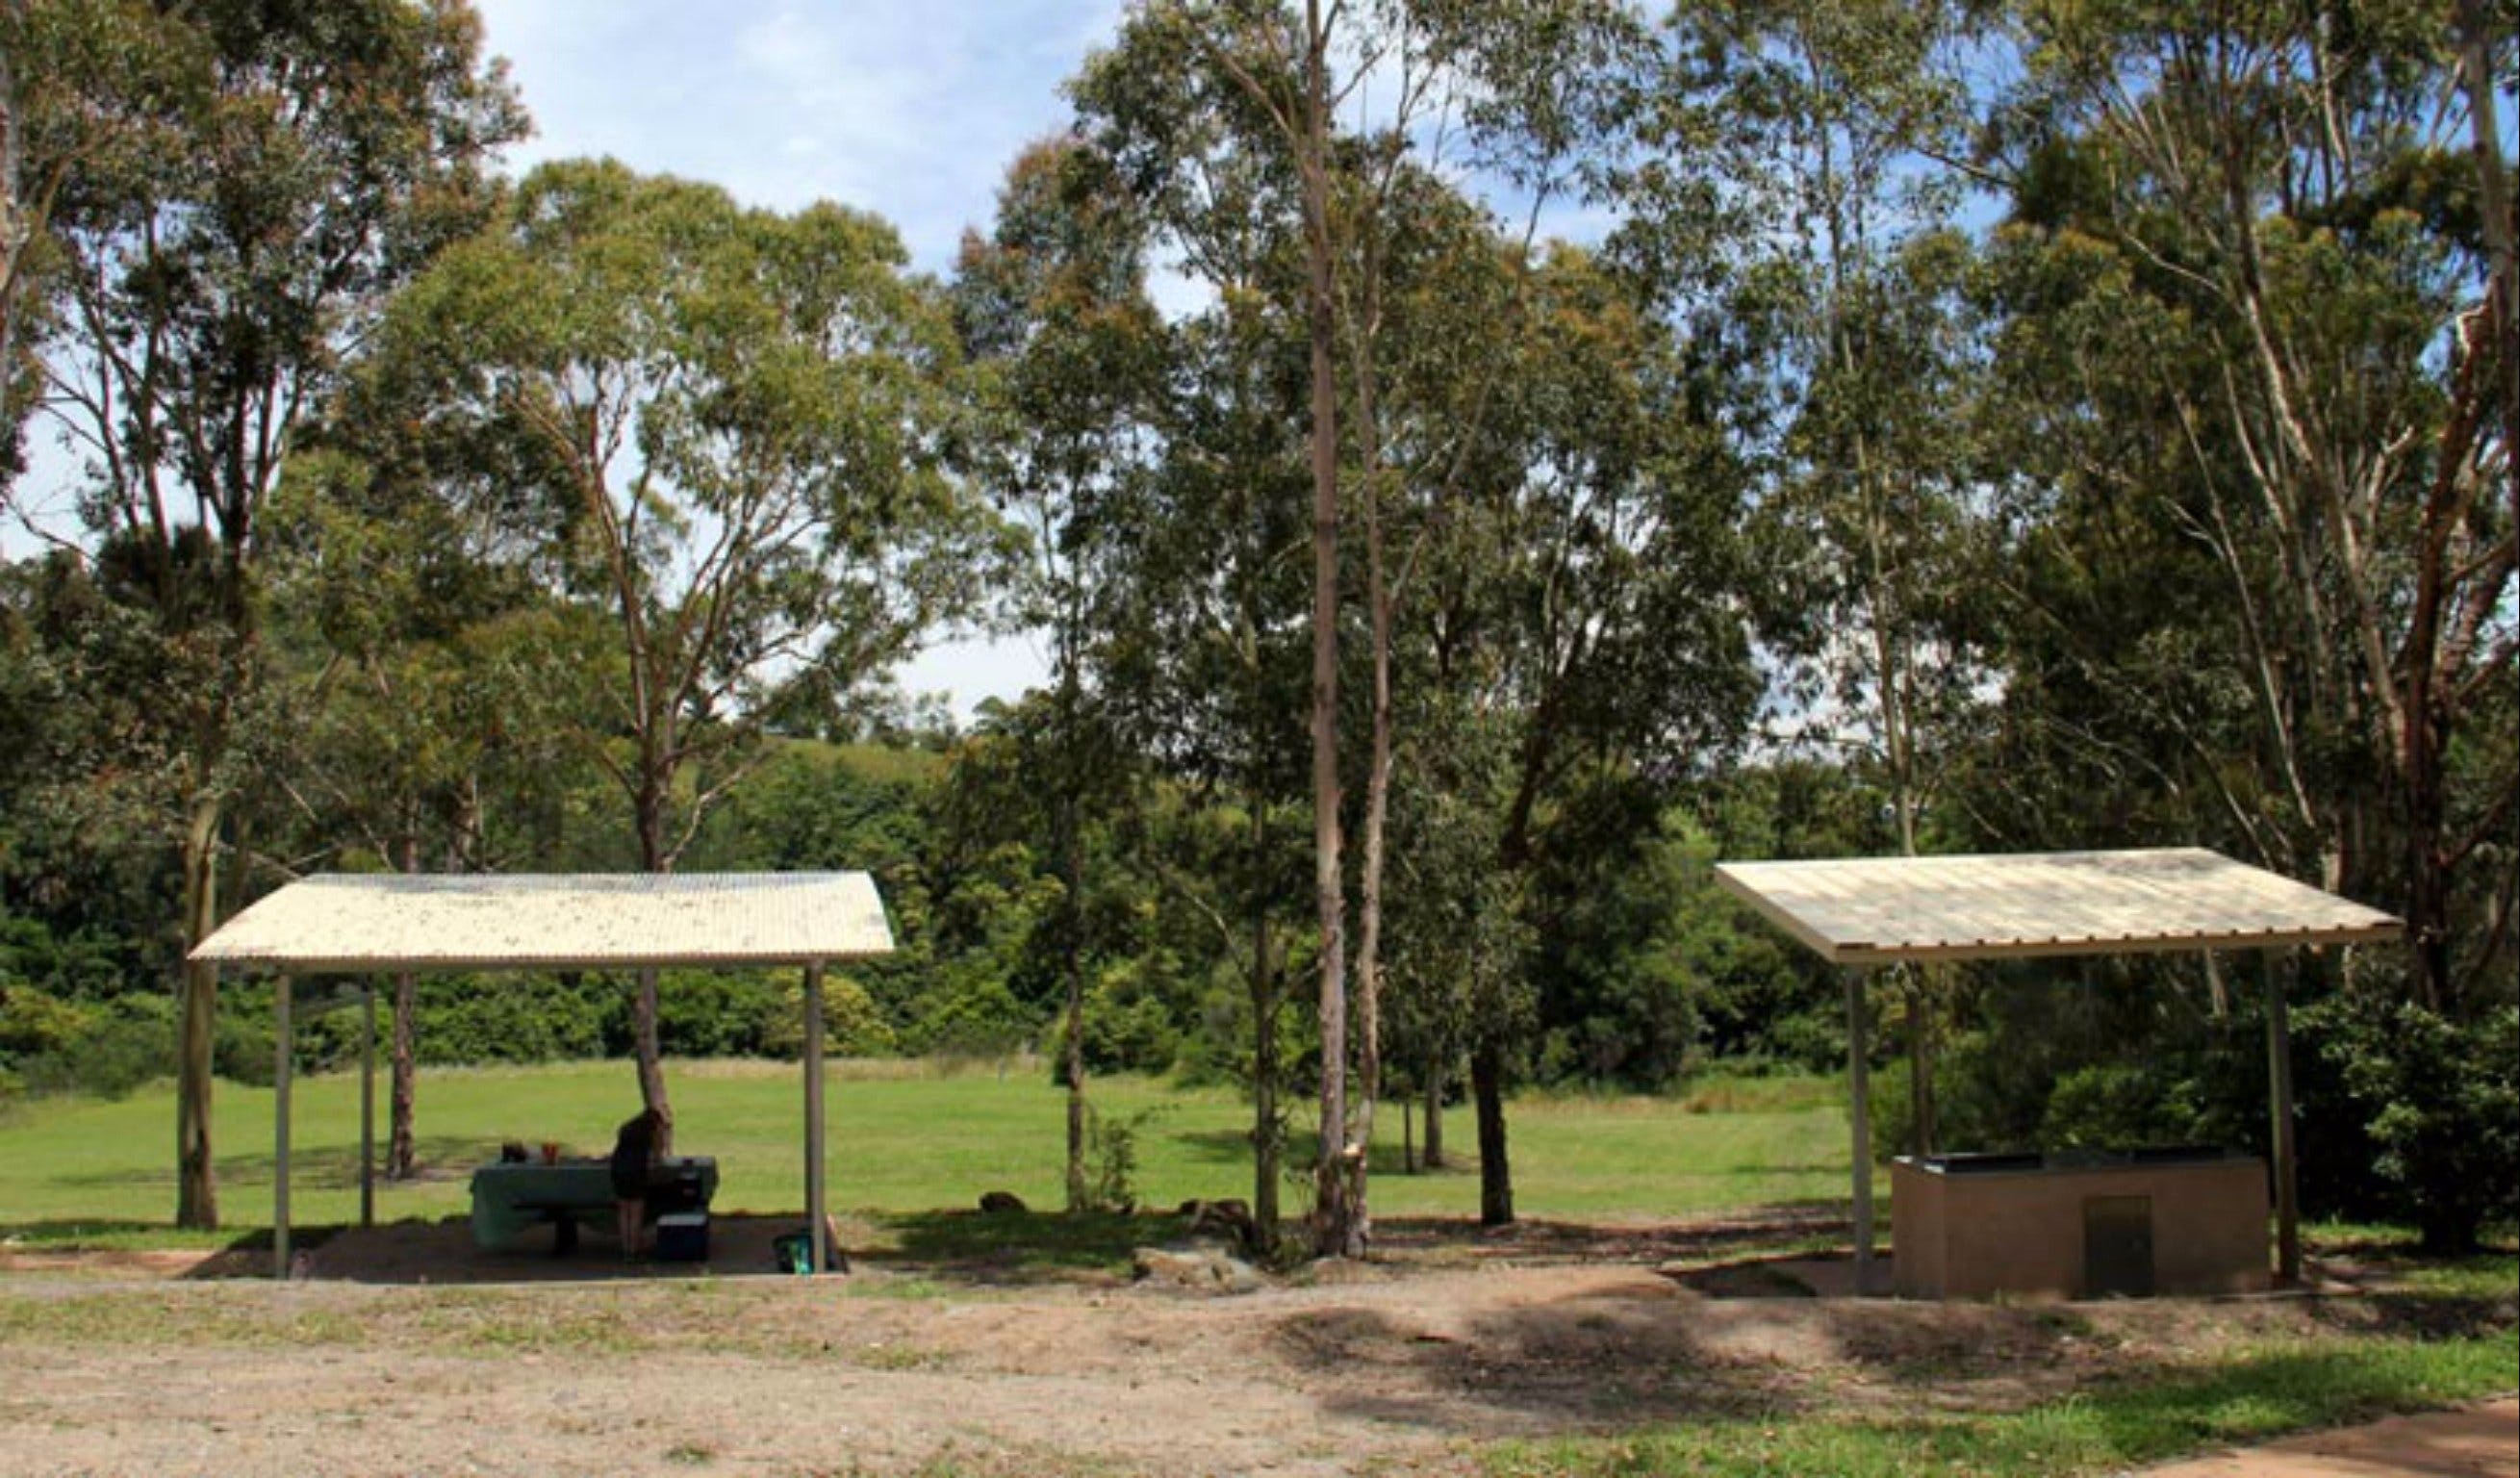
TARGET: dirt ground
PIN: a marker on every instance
(123, 1364)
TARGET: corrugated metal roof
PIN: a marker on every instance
(1876, 911)
(356, 923)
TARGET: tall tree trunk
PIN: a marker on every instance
(651, 1060)
(1071, 869)
(400, 1153)
(649, 816)
(1267, 1146)
(1433, 1156)
(196, 1192)
(15, 227)
(1334, 1217)
(1920, 1064)
(1496, 1175)
(2501, 227)
(1070, 841)
(1378, 807)
(1267, 994)
(401, 1150)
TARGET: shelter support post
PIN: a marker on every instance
(2287, 1168)
(1859, 1073)
(281, 1053)
(817, 1228)
(367, 1104)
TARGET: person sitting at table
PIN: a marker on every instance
(635, 1151)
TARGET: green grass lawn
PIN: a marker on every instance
(903, 1138)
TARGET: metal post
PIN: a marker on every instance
(2288, 1170)
(818, 1239)
(279, 1128)
(367, 1104)
(1858, 1072)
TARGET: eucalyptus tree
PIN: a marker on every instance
(2249, 300)
(1068, 354)
(70, 75)
(740, 419)
(245, 186)
(2334, 387)
(1207, 666)
(1196, 93)
(437, 674)
(1591, 599)
(1825, 123)
(22, 206)
(1277, 62)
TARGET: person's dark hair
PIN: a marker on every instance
(640, 1136)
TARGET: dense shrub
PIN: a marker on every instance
(33, 1023)
(852, 1026)
(971, 1017)
(707, 1014)
(1128, 1033)
(2439, 1101)
(2117, 1105)
(114, 1049)
(520, 1018)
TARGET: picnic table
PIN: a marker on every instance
(512, 1198)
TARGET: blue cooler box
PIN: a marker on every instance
(682, 1238)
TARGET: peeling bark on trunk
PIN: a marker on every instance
(2501, 229)
(16, 230)
(1377, 808)
(1334, 1231)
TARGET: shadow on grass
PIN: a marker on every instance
(112, 1246)
(331, 1167)
(1785, 1228)
(1671, 1411)
(76, 1231)
(1228, 1146)
(1001, 1247)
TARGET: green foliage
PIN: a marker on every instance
(1131, 1025)
(2119, 1105)
(852, 1026)
(110, 1050)
(2440, 1100)
(519, 1018)
(1112, 1159)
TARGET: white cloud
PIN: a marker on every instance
(908, 108)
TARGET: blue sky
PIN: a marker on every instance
(911, 108)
